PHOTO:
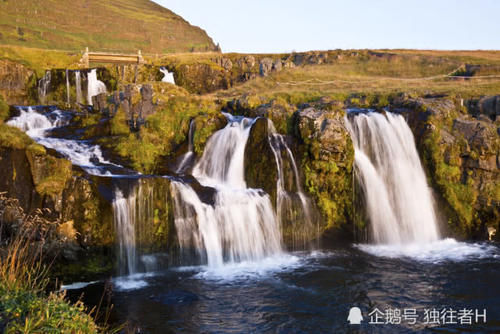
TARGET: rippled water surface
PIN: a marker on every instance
(312, 292)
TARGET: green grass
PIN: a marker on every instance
(118, 25)
(164, 130)
(25, 307)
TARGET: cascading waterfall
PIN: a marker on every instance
(43, 86)
(388, 169)
(78, 83)
(167, 76)
(81, 153)
(241, 224)
(95, 86)
(124, 216)
(188, 157)
(287, 202)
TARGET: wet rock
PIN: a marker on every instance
(460, 151)
(100, 102)
(260, 163)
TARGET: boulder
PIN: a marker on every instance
(490, 106)
(266, 66)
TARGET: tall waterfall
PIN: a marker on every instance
(398, 199)
(124, 216)
(95, 87)
(43, 86)
(241, 224)
(78, 84)
(291, 207)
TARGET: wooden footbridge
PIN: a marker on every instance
(89, 58)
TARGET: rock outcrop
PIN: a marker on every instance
(461, 155)
(15, 82)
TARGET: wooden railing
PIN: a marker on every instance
(111, 58)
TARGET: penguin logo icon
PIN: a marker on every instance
(355, 316)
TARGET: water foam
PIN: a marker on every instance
(434, 252)
(79, 152)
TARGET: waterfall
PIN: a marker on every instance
(388, 169)
(187, 158)
(124, 217)
(67, 88)
(95, 87)
(241, 224)
(287, 202)
(43, 86)
(167, 76)
(79, 152)
(78, 84)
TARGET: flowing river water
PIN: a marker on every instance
(235, 273)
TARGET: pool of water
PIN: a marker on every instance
(313, 292)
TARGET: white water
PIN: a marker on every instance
(80, 153)
(43, 86)
(398, 199)
(167, 76)
(95, 87)
(188, 157)
(241, 225)
(286, 205)
(78, 83)
(124, 216)
(222, 163)
(435, 251)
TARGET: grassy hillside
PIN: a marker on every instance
(417, 72)
(104, 25)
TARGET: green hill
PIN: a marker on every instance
(102, 25)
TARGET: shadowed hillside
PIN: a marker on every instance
(114, 25)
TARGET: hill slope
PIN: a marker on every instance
(114, 25)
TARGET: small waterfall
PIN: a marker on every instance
(78, 83)
(167, 76)
(80, 152)
(43, 86)
(222, 160)
(241, 224)
(95, 87)
(124, 216)
(188, 157)
(67, 88)
(398, 199)
(287, 202)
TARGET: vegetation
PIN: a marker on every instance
(121, 25)
(165, 130)
(24, 305)
(389, 72)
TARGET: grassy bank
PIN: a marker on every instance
(25, 306)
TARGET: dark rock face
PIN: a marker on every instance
(15, 82)
(490, 107)
(83, 206)
(461, 155)
(260, 163)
